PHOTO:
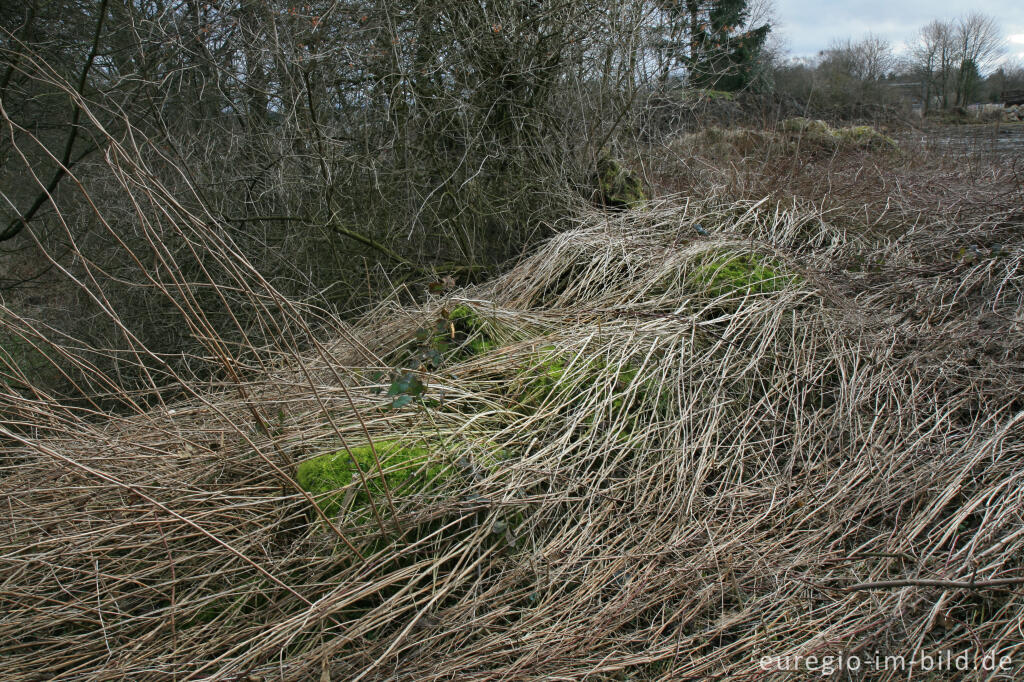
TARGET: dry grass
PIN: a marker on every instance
(689, 476)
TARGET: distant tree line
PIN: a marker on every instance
(948, 64)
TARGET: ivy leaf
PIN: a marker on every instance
(415, 387)
(400, 385)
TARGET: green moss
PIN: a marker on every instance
(471, 331)
(464, 316)
(544, 374)
(480, 346)
(739, 274)
(451, 337)
(407, 469)
(618, 187)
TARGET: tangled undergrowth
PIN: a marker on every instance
(669, 443)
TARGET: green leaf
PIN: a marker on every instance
(400, 385)
(415, 387)
(401, 401)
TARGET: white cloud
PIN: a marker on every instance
(1017, 38)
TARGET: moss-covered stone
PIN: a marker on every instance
(739, 274)
(330, 477)
(715, 142)
(618, 187)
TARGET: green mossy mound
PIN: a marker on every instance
(718, 142)
(860, 137)
(717, 94)
(334, 480)
(615, 392)
(740, 275)
(540, 377)
(863, 136)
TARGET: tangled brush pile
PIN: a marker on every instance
(645, 452)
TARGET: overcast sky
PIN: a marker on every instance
(807, 26)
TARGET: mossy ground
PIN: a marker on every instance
(452, 337)
(333, 478)
(472, 329)
(799, 124)
(743, 274)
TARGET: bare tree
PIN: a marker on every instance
(932, 57)
(853, 71)
(979, 41)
